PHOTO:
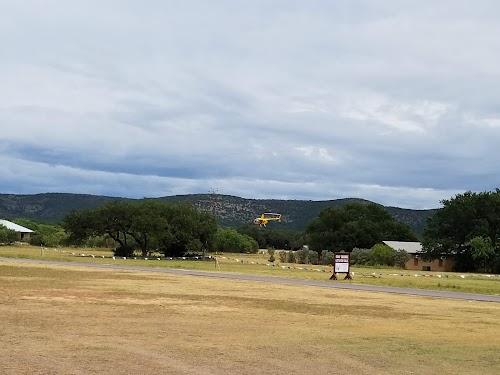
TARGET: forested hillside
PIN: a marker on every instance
(230, 210)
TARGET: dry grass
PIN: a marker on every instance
(79, 321)
(257, 264)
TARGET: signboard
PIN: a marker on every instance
(341, 264)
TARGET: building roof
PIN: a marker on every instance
(13, 226)
(409, 247)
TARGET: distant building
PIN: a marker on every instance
(23, 234)
(417, 262)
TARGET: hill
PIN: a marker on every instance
(230, 210)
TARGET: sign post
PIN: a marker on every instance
(341, 264)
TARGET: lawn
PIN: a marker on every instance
(258, 264)
(74, 320)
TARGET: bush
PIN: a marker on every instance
(312, 257)
(282, 256)
(290, 257)
(327, 257)
(49, 235)
(301, 256)
(271, 255)
(123, 251)
(7, 236)
(400, 258)
(229, 240)
(99, 241)
(360, 256)
(381, 254)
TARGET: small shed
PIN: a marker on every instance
(23, 234)
(417, 261)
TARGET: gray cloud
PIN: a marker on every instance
(394, 102)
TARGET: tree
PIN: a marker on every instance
(355, 225)
(381, 254)
(50, 235)
(450, 231)
(230, 240)
(146, 225)
(186, 229)
(482, 249)
(113, 219)
(274, 238)
(7, 236)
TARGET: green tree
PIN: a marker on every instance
(7, 236)
(114, 219)
(383, 255)
(462, 218)
(482, 250)
(230, 240)
(355, 225)
(50, 235)
(145, 225)
(284, 239)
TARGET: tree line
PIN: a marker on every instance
(467, 227)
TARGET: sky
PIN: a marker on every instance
(392, 101)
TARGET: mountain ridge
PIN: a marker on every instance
(230, 210)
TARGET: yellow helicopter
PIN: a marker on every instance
(265, 218)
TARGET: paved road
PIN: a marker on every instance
(270, 280)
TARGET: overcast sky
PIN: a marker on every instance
(393, 101)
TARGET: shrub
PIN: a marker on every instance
(45, 234)
(381, 254)
(312, 257)
(99, 241)
(400, 258)
(282, 256)
(7, 236)
(360, 256)
(229, 240)
(302, 256)
(123, 251)
(290, 257)
(327, 257)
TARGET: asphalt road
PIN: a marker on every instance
(271, 280)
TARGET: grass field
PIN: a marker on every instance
(258, 264)
(77, 321)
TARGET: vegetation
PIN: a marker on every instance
(230, 211)
(273, 238)
(146, 225)
(229, 240)
(355, 226)
(379, 255)
(7, 236)
(271, 255)
(50, 235)
(468, 228)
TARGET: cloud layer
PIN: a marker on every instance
(397, 103)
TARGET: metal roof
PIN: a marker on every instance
(409, 247)
(13, 226)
